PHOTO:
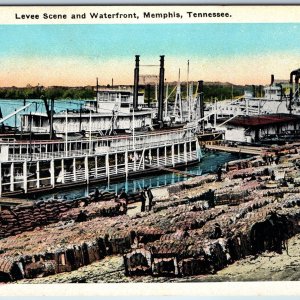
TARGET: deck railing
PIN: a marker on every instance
(37, 150)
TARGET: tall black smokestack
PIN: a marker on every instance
(297, 85)
(51, 119)
(295, 73)
(97, 93)
(136, 82)
(291, 91)
(148, 95)
(272, 79)
(161, 88)
(254, 91)
(260, 91)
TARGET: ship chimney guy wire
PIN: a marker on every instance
(215, 116)
(191, 99)
(15, 112)
(166, 101)
(90, 134)
(66, 132)
(133, 130)
(187, 91)
(178, 98)
(97, 94)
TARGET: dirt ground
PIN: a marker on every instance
(268, 266)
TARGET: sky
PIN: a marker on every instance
(75, 55)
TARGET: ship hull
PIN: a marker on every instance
(66, 164)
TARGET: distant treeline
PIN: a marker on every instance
(220, 91)
(39, 92)
(211, 91)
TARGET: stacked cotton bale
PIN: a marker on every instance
(159, 206)
(292, 217)
(138, 262)
(165, 257)
(247, 172)
(221, 240)
(106, 196)
(260, 230)
(191, 183)
(186, 256)
(40, 268)
(121, 241)
(146, 234)
(198, 181)
(10, 270)
(291, 200)
(237, 194)
(63, 247)
(9, 223)
(179, 217)
(93, 210)
(193, 266)
(179, 250)
(196, 219)
(279, 192)
(238, 164)
(175, 188)
(26, 217)
(134, 197)
(257, 162)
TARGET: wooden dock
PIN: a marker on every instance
(239, 149)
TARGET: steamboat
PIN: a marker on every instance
(118, 140)
(280, 97)
(253, 118)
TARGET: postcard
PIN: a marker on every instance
(149, 150)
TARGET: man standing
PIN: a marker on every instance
(149, 198)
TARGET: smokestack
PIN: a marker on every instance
(161, 88)
(148, 95)
(51, 119)
(291, 91)
(136, 82)
(201, 97)
(272, 79)
(297, 84)
(254, 91)
(260, 91)
(295, 73)
(97, 92)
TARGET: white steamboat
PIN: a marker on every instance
(134, 144)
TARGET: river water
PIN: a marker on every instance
(209, 163)
(8, 106)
